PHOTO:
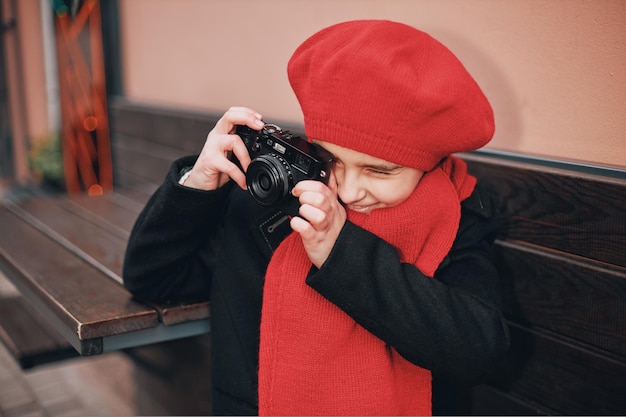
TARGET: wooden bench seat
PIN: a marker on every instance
(65, 254)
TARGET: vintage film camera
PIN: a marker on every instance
(279, 161)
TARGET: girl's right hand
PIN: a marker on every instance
(214, 168)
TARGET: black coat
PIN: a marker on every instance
(188, 242)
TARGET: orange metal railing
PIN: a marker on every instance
(85, 124)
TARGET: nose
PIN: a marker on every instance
(350, 188)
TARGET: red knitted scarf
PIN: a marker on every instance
(314, 359)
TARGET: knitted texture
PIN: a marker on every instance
(388, 90)
(314, 359)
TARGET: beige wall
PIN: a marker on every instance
(31, 43)
(25, 79)
(555, 71)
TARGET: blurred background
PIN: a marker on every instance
(554, 71)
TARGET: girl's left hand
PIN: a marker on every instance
(322, 218)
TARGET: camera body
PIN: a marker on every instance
(279, 161)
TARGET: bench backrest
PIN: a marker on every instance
(560, 254)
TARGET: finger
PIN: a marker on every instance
(233, 144)
(238, 109)
(232, 170)
(316, 217)
(309, 185)
(240, 151)
(238, 116)
(301, 226)
(313, 198)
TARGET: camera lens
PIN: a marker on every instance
(269, 179)
(265, 182)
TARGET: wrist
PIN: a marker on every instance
(192, 179)
(184, 175)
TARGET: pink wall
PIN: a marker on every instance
(555, 71)
(25, 79)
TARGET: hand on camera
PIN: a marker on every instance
(213, 167)
(321, 218)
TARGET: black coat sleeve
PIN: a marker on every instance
(451, 324)
(169, 251)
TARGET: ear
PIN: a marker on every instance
(332, 182)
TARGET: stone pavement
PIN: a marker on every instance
(75, 387)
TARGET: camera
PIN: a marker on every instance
(279, 160)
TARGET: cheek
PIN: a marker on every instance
(395, 192)
(392, 194)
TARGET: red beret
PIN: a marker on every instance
(388, 90)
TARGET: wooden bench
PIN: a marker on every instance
(561, 257)
(560, 254)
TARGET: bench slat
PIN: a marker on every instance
(134, 163)
(484, 400)
(86, 302)
(547, 289)
(91, 241)
(108, 210)
(139, 189)
(581, 380)
(28, 338)
(569, 212)
(94, 228)
(184, 130)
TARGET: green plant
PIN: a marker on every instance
(46, 161)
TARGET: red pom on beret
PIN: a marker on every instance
(388, 90)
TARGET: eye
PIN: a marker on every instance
(379, 172)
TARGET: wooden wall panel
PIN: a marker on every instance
(179, 129)
(561, 375)
(546, 290)
(562, 264)
(571, 212)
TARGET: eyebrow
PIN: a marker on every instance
(383, 168)
(376, 167)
